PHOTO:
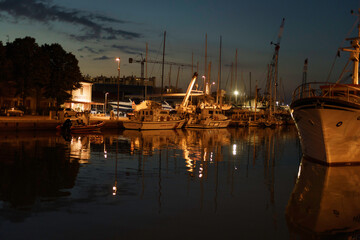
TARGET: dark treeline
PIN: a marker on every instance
(43, 72)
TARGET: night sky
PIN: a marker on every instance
(97, 32)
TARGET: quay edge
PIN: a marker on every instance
(45, 124)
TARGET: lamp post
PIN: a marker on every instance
(213, 83)
(236, 93)
(105, 103)
(204, 78)
(118, 90)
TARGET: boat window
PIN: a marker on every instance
(151, 112)
(211, 112)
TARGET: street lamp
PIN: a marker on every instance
(204, 78)
(105, 103)
(213, 83)
(236, 93)
(118, 92)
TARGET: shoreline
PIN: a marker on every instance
(44, 123)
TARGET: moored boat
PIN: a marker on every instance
(327, 116)
(239, 118)
(208, 118)
(206, 113)
(149, 115)
(76, 126)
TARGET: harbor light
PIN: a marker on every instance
(234, 149)
(236, 93)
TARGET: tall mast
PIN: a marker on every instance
(205, 72)
(162, 71)
(256, 96)
(231, 81)
(354, 51)
(219, 76)
(250, 89)
(355, 44)
(170, 79)
(208, 80)
(177, 78)
(146, 60)
(236, 56)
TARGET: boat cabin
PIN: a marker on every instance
(152, 115)
(214, 113)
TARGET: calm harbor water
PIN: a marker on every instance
(184, 184)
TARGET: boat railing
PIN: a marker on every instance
(325, 89)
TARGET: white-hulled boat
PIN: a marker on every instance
(206, 114)
(208, 118)
(327, 116)
(149, 115)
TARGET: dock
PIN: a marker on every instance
(44, 123)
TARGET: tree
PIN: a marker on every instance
(65, 74)
(22, 54)
(5, 71)
(40, 75)
(5, 65)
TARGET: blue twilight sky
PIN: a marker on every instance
(97, 32)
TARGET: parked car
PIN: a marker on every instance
(121, 113)
(68, 112)
(94, 111)
(14, 112)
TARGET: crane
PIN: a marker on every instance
(273, 68)
(143, 61)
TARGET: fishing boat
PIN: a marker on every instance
(239, 118)
(78, 126)
(205, 114)
(149, 115)
(208, 118)
(327, 116)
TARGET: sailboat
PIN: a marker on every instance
(327, 116)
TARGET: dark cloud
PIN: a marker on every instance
(102, 58)
(44, 12)
(129, 50)
(91, 50)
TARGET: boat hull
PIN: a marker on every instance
(209, 124)
(84, 128)
(153, 125)
(329, 130)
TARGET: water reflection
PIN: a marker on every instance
(325, 202)
(33, 167)
(225, 179)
